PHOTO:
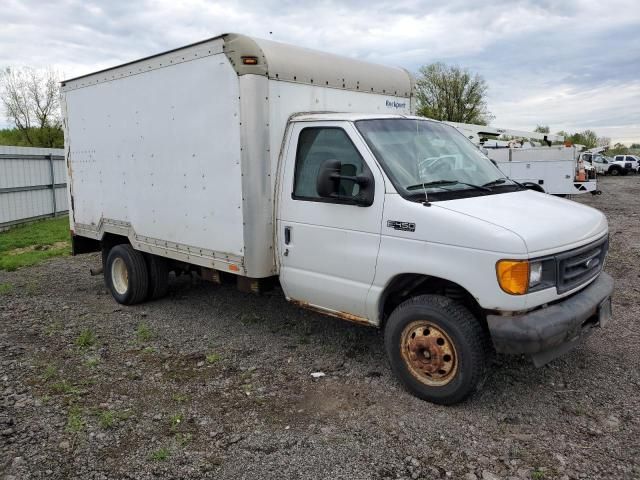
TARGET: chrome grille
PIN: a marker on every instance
(578, 266)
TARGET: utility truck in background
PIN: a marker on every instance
(533, 160)
(266, 164)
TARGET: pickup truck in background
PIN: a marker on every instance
(633, 159)
(609, 166)
(260, 163)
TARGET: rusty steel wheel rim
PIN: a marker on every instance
(429, 353)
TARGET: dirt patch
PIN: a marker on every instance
(213, 383)
(37, 248)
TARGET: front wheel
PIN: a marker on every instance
(437, 348)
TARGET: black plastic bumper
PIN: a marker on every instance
(549, 332)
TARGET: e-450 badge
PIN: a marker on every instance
(404, 226)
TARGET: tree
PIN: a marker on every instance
(588, 138)
(31, 102)
(542, 129)
(618, 149)
(453, 94)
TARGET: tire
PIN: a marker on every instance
(126, 275)
(614, 171)
(158, 271)
(435, 327)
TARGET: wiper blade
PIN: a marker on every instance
(440, 183)
(435, 183)
(498, 181)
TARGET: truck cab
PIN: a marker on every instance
(440, 219)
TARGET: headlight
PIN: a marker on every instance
(517, 277)
(535, 273)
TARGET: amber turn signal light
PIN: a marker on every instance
(250, 60)
(513, 276)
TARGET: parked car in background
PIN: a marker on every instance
(635, 161)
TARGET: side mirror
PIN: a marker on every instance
(330, 177)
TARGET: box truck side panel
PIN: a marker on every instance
(156, 153)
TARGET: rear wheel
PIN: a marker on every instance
(614, 171)
(158, 270)
(437, 348)
(126, 275)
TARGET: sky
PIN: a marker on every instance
(569, 64)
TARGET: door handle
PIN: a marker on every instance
(287, 235)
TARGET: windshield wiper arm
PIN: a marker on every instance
(440, 183)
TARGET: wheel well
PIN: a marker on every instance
(110, 240)
(407, 285)
(534, 186)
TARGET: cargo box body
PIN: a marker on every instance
(179, 151)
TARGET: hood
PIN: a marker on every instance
(545, 223)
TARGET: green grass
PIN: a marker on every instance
(176, 420)
(30, 244)
(86, 339)
(144, 333)
(5, 288)
(75, 422)
(92, 362)
(160, 455)
(65, 388)
(49, 372)
(180, 397)
(538, 474)
(213, 358)
(106, 419)
(183, 439)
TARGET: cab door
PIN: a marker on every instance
(327, 247)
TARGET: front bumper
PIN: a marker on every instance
(551, 331)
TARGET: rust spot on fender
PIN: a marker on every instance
(342, 315)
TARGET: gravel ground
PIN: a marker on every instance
(213, 383)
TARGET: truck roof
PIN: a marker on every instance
(277, 61)
(350, 117)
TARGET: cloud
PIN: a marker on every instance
(573, 64)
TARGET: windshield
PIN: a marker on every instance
(421, 155)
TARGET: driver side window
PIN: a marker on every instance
(316, 145)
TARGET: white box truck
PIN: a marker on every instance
(273, 164)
